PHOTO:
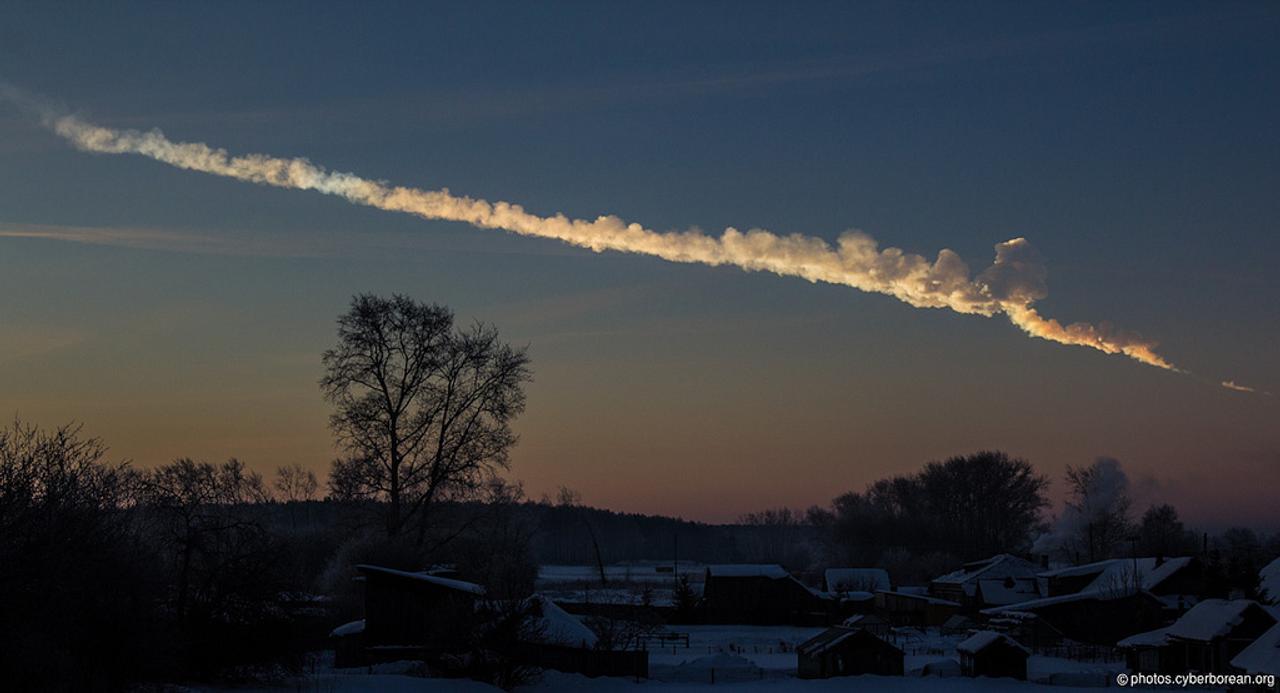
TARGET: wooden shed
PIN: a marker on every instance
(421, 611)
(841, 651)
(988, 653)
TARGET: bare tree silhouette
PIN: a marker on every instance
(422, 409)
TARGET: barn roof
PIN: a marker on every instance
(1204, 622)
(1120, 572)
(986, 638)
(831, 637)
(1116, 578)
(447, 583)
(999, 565)
(1262, 656)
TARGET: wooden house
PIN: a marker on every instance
(1174, 581)
(1098, 618)
(408, 613)
(842, 651)
(1206, 638)
(961, 585)
(762, 595)
(911, 609)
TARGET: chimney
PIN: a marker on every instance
(1044, 561)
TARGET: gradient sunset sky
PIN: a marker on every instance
(1135, 145)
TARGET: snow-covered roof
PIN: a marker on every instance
(448, 583)
(1269, 581)
(1006, 591)
(772, 571)
(1001, 565)
(985, 638)
(1116, 573)
(1204, 622)
(353, 628)
(861, 579)
(1033, 604)
(825, 640)
(1115, 580)
(921, 597)
(1263, 655)
(559, 627)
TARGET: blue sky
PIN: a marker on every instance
(1133, 143)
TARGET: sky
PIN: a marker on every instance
(176, 313)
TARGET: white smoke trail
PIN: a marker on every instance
(1010, 286)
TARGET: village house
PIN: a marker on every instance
(1178, 582)
(844, 651)
(1105, 601)
(407, 615)
(1207, 638)
(962, 585)
(762, 595)
(1099, 618)
(988, 653)
(912, 609)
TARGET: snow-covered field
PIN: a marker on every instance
(746, 659)
(556, 681)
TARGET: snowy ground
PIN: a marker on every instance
(768, 647)
(555, 681)
(747, 659)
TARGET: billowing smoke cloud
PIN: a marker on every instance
(1010, 286)
(1095, 517)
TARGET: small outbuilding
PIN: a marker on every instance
(988, 653)
(407, 614)
(842, 651)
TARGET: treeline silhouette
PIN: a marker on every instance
(112, 575)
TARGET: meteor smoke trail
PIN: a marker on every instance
(1010, 286)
